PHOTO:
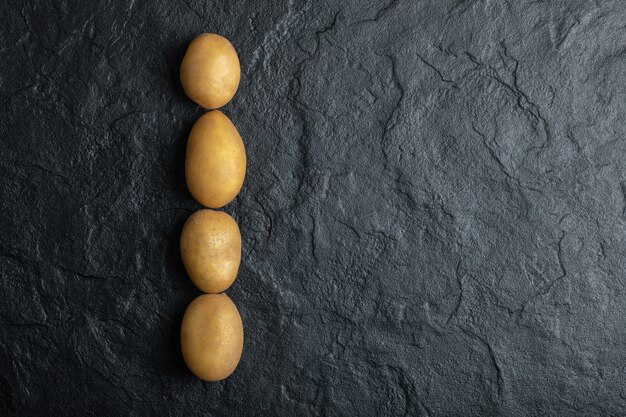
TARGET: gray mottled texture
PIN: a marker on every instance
(433, 217)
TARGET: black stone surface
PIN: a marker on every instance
(433, 217)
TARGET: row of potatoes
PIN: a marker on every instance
(210, 244)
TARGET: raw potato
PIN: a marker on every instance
(211, 337)
(215, 165)
(210, 71)
(210, 245)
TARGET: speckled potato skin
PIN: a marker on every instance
(210, 71)
(211, 337)
(215, 165)
(210, 246)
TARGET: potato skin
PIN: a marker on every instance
(211, 337)
(215, 165)
(210, 71)
(210, 245)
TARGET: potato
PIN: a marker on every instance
(210, 71)
(210, 245)
(215, 164)
(211, 337)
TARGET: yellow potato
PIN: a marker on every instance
(215, 165)
(211, 337)
(210, 71)
(210, 245)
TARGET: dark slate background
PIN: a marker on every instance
(433, 216)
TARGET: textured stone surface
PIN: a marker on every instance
(433, 218)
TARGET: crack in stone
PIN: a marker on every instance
(547, 288)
